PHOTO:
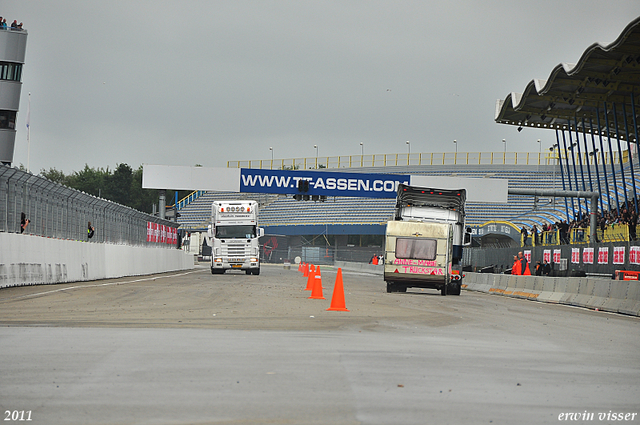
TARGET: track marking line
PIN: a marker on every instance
(37, 294)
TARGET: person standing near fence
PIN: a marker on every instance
(90, 230)
(24, 222)
(524, 265)
(525, 235)
(515, 269)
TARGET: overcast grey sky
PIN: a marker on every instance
(195, 81)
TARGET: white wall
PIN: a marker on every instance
(28, 259)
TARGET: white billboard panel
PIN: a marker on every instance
(478, 190)
(190, 178)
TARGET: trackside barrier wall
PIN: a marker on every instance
(360, 267)
(617, 296)
(29, 259)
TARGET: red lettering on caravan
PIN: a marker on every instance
(424, 270)
(408, 262)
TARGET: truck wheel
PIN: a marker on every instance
(248, 271)
(392, 287)
(443, 290)
(454, 288)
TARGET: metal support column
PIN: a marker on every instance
(595, 160)
(633, 177)
(566, 205)
(635, 123)
(162, 203)
(566, 158)
(624, 179)
(584, 185)
(613, 170)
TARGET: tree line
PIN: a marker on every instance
(122, 185)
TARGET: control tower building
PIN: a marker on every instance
(13, 45)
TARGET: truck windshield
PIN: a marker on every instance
(240, 232)
(417, 249)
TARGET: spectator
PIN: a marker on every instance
(632, 223)
(539, 268)
(515, 269)
(546, 268)
(525, 235)
(524, 265)
(90, 230)
(24, 222)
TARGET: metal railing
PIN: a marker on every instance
(404, 159)
(579, 235)
(57, 211)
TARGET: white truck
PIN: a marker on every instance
(423, 244)
(233, 237)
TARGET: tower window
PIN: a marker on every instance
(10, 71)
(7, 119)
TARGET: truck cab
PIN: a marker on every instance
(234, 237)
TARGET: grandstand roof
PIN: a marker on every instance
(604, 74)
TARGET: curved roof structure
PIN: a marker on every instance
(605, 78)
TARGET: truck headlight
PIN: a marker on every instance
(254, 260)
(218, 260)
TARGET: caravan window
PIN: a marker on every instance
(416, 249)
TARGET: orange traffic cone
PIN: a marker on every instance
(337, 300)
(305, 270)
(310, 280)
(300, 266)
(316, 292)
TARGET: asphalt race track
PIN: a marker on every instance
(195, 348)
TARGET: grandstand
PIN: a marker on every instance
(348, 216)
(368, 216)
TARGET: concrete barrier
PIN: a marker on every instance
(571, 291)
(361, 267)
(617, 295)
(585, 292)
(548, 293)
(631, 305)
(482, 283)
(602, 294)
(500, 283)
(28, 259)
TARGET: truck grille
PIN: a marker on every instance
(235, 251)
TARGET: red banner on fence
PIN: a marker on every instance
(160, 233)
(587, 256)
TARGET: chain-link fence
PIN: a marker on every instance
(57, 211)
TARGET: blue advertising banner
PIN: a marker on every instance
(321, 183)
